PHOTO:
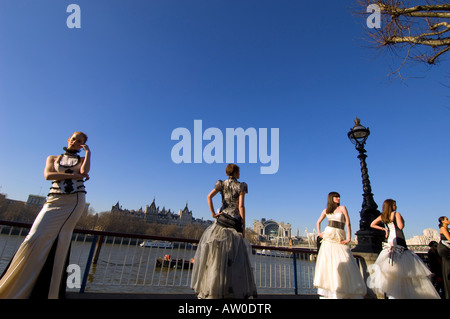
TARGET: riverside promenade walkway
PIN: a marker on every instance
(95, 295)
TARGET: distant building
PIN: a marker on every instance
(152, 214)
(36, 200)
(39, 201)
(271, 230)
(428, 235)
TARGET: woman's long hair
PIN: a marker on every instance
(441, 219)
(388, 208)
(331, 205)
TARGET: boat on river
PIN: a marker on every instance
(169, 262)
(156, 244)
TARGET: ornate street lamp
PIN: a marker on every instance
(369, 239)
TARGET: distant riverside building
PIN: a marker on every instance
(270, 229)
(428, 235)
(39, 201)
(36, 200)
(152, 214)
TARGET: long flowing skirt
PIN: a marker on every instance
(401, 274)
(222, 267)
(337, 274)
(444, 252)
(39, 264)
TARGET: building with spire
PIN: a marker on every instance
(153, 214)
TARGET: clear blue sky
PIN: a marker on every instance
(137, 70)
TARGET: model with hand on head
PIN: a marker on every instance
(37, 268)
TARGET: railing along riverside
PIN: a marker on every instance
(114, 262)
(120, 263)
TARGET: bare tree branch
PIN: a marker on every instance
(423, 30)
(417, 11)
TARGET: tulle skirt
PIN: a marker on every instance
(337, 274)
(38, 266)
(401, 274)
(222, 267)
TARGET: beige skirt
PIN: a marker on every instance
(337, 275)
(47, 244)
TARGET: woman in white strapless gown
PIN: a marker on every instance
(398, 272)
(337, 274)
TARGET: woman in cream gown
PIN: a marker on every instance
(337, 274)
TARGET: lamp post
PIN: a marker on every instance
(369, 239)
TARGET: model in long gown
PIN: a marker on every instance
(38, 267)
(398, 272)
(337, 274)
(444, 252)
(222, 267)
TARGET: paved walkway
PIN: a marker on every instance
(97, 295)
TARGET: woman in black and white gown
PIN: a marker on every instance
(398, 272)
(37, 268)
